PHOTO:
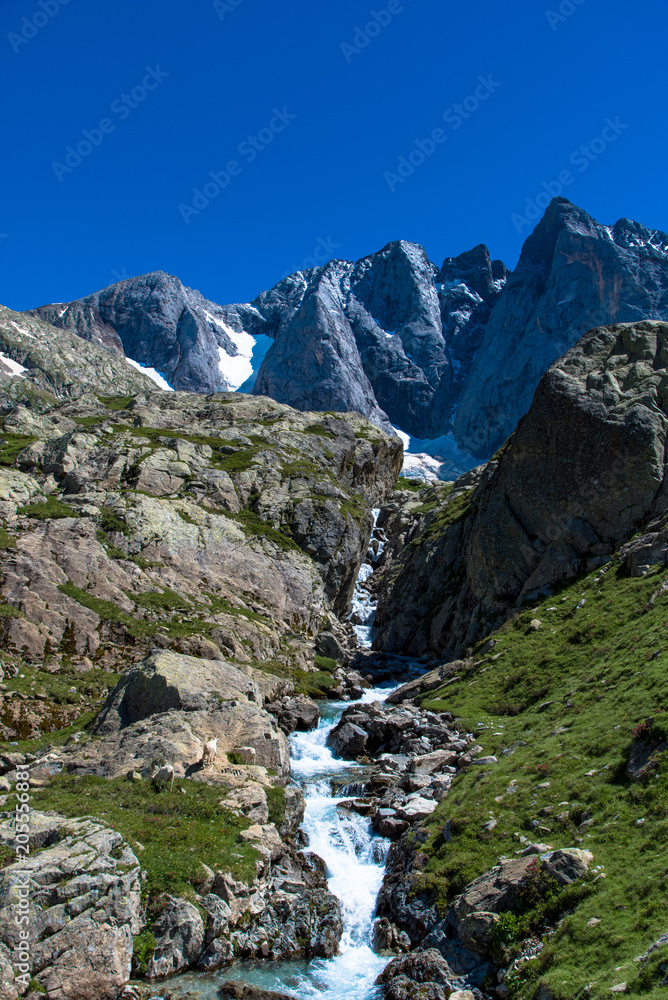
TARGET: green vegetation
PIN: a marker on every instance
(111, 521)
(320, 431)
(276, 803)
(11, 445)
(313, 683)
(256, 526)
(91, 421)
(108, 611)
(178, 829)
(160, 600)
(51, 509)
(142, 952)
(9, 611)
(406, 483)
(326, 663)
(7, 541)
(116, 402)
(559, 706)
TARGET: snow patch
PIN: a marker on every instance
(15, 369)
(151, 373)
(239, 369)
(437, 458)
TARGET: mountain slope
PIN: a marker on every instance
(574, 274)
(451, 353)
(38, 361)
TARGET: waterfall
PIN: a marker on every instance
(353, 853)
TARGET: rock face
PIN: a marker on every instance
(584, 470)
(179, 937)
(431, 350)
(158, 322)
(231, 528)
(84, 906)
(574, 274)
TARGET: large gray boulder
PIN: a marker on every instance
(167, 680)
(584, 468)
(179, 938)
(84, 906)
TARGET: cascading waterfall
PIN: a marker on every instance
(353, 854)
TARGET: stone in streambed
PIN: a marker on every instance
(348, 741)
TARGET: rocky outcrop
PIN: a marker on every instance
(230, 528)
(179, 937)
(39, 364)
(84, 905)
(584, 470)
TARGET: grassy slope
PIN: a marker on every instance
(177, 829)
(602, 668)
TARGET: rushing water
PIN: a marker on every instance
(354, 855)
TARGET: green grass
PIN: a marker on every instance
(11, 445)
(276, 802)
(51, 509)
(108, 611)
(313, 683)
(160, 600)
(414, 485)
(255, 526)
(603, 670)
(7, 541)
(116, 402)
(9, 611)
(111, 521)
(319, 431)
(177, 830)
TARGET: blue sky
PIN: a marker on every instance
(303, 111)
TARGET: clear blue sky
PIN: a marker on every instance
(64, 234)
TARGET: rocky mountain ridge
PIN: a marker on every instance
(452, 351)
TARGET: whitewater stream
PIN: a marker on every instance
(353, 853)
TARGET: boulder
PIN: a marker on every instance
(347, 741)
(432, 763)
(497, 890)
(388, 937)
(567, 865)
(295, 714)
(416, 809)
(643, 758)
(241, 991)
(84, 906)
(403, 988)
(392, 827)
(166, 681)
(326, 644)
(179, 939)
(418, 967)
(476, 929)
